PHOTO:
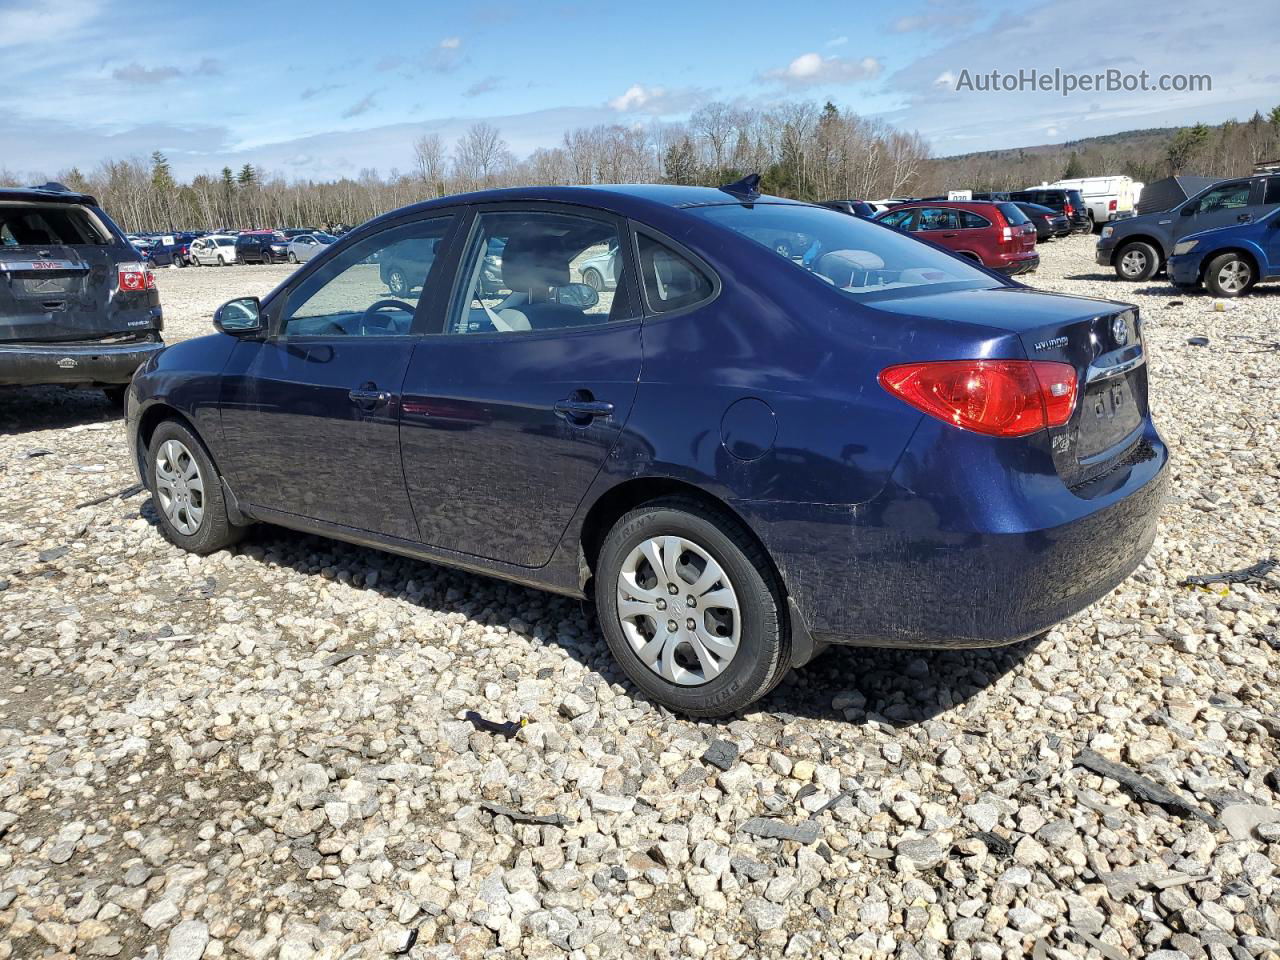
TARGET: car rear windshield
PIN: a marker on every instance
(38, 225)
(1013, 214)
(860, 258)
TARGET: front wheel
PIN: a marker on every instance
(187, 492)
(293, 257)
(1229, 275)
(1137, 261)
(593, 279)
(691, 608)
(222, 261)
(397, 282)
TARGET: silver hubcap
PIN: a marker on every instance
(1135, 261)
(179, 487)
(678, 610)
(1234, 276)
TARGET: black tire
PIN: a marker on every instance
(222, 261)
(293, 257)
(1137, 260)
(593, 279)
(1216, 275)
(397, 282)
(115, 393)
(195, 262)
(1093, 224)
(215, 531)
(764, 649)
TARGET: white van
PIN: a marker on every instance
(1108, 198)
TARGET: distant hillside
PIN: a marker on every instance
(1227, 149)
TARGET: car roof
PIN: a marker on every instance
(49, 191)
(958, 204)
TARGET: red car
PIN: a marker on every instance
(995, 233)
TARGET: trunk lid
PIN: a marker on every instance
(60, 276)
(1101, 340)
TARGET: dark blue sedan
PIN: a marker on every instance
(742, 454)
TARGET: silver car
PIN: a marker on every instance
(302, 248)
(599, 272)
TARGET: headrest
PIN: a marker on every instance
(531, 263)
(841, 266)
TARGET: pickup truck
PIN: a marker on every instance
(1138, 248)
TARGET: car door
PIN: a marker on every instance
(1220, 206)
(310, 413)
(510, 410)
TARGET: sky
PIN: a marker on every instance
(317, 89)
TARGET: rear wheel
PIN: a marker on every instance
(593, 279)
(691, 608)
(1137, 261)
(1229, 275)
(187, 492)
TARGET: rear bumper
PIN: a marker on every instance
(944, 559)
(1015, 267)
(113, 363)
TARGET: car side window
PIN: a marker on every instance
(371, 289)
(1226, 197)
(671, 281)
(972, 221)
(938, 218)
(533, 270)
(1272, 194)
(897, 219)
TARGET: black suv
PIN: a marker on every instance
(77, 304)
(262, 246)
(1067, 202)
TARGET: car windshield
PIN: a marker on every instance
(860, 258)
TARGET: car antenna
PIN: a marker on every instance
(748, 188)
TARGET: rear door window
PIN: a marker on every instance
(1012, 214)
(23, 224)
(1272, 194)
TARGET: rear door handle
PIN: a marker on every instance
(369, 398)
(582, 410)
(1244, 217)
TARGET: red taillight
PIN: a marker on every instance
(133, 277)
(999, 398)
(1068, 209)
(1006, 235)
(1111, 205)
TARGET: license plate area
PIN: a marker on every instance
(1108, 414)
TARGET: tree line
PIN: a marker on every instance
(1230, 149)
(804, 150)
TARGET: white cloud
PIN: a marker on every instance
(137, 73)
(946, 80)
(450, 43)
(811, 69)
(36, 21)
(837, 42)
(656, 101)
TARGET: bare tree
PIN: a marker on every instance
(429, 155)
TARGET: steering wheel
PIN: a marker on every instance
(387, 323)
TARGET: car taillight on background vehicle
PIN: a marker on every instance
(1068, 209)
(1006, 235)
(999, 398)
(133, 277)
(1111, 205)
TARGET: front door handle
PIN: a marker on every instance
(1244, 218)
(582, 409)
(368, 398)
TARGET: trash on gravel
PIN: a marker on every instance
(1104, 948)
(408, 943)
(769, 829)
(1144, 788)
(996, 845)
(53, 553)
(511, 813)
(1258, 573)
(1241, 819)
(124, 494)
(341, 656)
(721, 753)
(506, 729)
(37, 452)
(1197, 341)
(830, 804)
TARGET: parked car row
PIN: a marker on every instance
(223, 248)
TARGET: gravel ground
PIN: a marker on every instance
(262, 753)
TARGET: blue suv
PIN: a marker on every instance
(1229, 260)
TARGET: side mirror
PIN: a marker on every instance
(578, 295)
(239, 318)
(1188, 210)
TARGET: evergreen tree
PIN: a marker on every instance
(1186, 144)
(248, 176)
(1075, 169)
(681, 163)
